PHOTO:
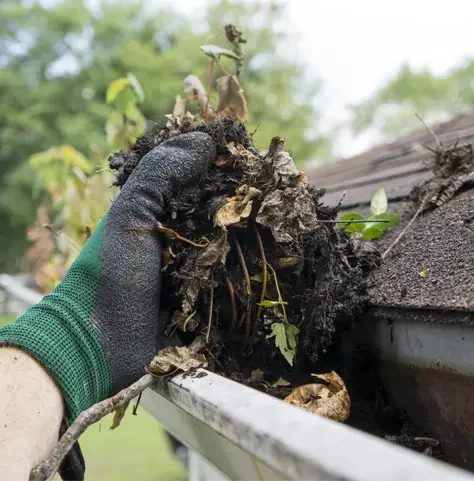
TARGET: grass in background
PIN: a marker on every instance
(137, 450)
(6, 319)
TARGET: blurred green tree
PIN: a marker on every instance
(56, 63)
(392, 108)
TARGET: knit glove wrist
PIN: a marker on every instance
(100, 327)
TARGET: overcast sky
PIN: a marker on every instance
(354, 46)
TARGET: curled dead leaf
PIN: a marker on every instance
(174, 358)
(330, 401)
(231, 98)
(281, 383)
(211, 257)
(288, 213)
(179, 109)
(237, 210)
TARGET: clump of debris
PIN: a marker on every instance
(452, 167)
(253, 261)
(255, 271)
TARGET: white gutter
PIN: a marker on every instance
(248, 435)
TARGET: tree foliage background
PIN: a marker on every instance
(57, 61)
(392, 108)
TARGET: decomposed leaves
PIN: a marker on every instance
(231, 98)
(329, 398)
(174, 358)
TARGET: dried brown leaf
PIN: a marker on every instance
(281, 383)
(210, 258)
(237, 210)
(330, 401)
(231, 98)
(284, 169)
(288, 213)
(118, 416)
(179, 110)
(175, 358)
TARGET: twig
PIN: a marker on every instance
(209, 90)
(211, 306)
(264, 280)
(174, 235)
(243, 265)
(429, 129)
(50, 466)
(135, 408)
(404, 231)
(231, 289)
(280, 299)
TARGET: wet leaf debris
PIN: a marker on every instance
(248, 264)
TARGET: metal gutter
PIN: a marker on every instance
(425, 359)
(248, 435)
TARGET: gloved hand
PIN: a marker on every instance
(99, 328)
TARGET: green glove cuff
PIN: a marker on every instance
(58, 333)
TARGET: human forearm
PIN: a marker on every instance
(31, 410)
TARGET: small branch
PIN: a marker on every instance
(264, 280)
(404, 231)
(174, 235)
(211, 306)
(50, 466)
(231, 289)
(135, 408)
(243, 265)
(209, 90)
(429, 129)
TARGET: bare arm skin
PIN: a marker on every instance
(31, 410)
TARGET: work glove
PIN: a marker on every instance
(100, 327)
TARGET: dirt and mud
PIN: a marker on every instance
(245, 249)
